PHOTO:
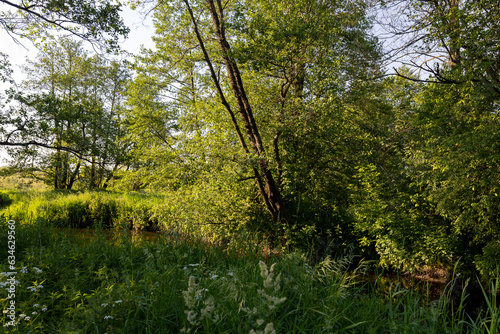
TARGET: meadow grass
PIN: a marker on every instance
(102, 282)
(83, 209)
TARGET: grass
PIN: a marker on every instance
(10, 180)
(83, 209)
(69, 282)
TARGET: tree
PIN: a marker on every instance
(449, 34)
(284, 76)
(71, 106)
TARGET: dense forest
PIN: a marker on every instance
(369, 127)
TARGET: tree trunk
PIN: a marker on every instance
(454, 47)
(74, 175)
(269, 190)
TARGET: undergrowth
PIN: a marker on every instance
(99, 281)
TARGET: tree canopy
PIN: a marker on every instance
(97, 22)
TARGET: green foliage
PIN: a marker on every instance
(455, 161)
(301, 66)
(5, 69)
(488, 263)
(95, 22)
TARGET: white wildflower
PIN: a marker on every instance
(24, 270)
(108, 317)
(192, 317)
(269, 329)
(263, 269)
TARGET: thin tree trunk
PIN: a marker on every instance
(74, 175)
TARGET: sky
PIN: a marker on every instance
(141, 32)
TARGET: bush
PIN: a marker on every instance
(488, 263)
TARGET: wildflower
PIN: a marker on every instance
(118, 301)
(263, 269)
(192, 317)
(193, 265)
(209, 309)
(27, 318)
(192, 293)
(104, 304)
(24, 270)
(260, 322)
(38, 270)
(36, 305)
(44, 309)
(269, 329)
(40, 286)
(34, 313)
(108, 317)
(22, 315)
(31, 288)
(272, 300)
(5, 311)
(7, 274)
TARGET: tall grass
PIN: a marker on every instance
(84, 209)
(102, 283)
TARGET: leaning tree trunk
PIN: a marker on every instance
(269, 190)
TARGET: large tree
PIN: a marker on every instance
(285, 75)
